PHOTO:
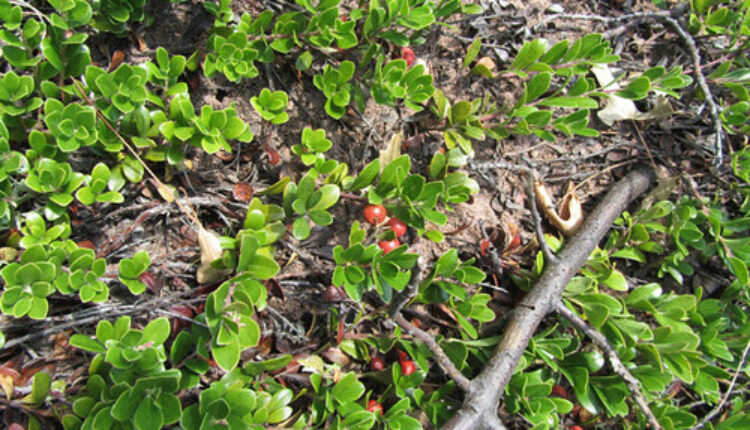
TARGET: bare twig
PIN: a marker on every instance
(442, 359)
(480, 404)
(411, 289)
(617, 366)
(501, 165)
(531, 195)
(100, 312)
(718, 407)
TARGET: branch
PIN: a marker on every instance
(619, 368)
(482, 400)
(442, 359)
(718, 407)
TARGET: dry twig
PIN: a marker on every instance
(718, 407)
(617, 366)
(442, 359)
(531, 195)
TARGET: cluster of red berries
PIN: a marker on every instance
(376, 364)
(407, 366)
(376, 215)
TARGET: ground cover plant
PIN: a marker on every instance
(388, 214)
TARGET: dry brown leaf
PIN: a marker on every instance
(335, 356)
(570, 215)
(8, 379)
(117, 58)
(242, 192)
(392, 152)
(210, 247)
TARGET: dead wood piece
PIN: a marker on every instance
(481, 402)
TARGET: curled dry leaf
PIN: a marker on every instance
(117, 58)
(336, 356)
(210, 248)
(570, 215)
(8, 378)
(242, 192)
(512, 236)
(87, 244)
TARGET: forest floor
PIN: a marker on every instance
(295, 321)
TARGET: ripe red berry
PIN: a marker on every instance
(575, 428)
(402, 355)
(374, 214)
(398, 226)
(407, 367)
(408, 55)
(377, 364)
(388, 245)
(560, 391)
(375, 407)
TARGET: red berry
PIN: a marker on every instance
(388, 245)
(402, 355)
(376, 364)
(575, 428)
(398, 226)
(407, 367)
(408, 55)
(374, 407)
(333, 294)
(560, 391)
(374, 214)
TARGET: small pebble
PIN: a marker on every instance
(555, 8)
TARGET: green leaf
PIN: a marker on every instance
(616, 281)
(472, 52)
(329, 196)
(563, 101)
(529, 53)
(460, 111)
(263, 267)
(148, 416)
(126, 405)
(301, 228)
(226, 356)
(537, 86)
(367, 176)
(157, 331)
(39, 388)
(434, 235)
(348, 389)
(86, 343)
(304, 61)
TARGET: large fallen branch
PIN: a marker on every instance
(479, 410)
